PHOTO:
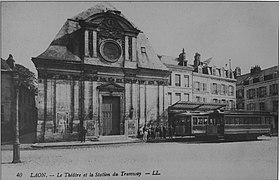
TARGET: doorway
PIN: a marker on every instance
(111, 115)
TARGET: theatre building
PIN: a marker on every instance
(99, 72)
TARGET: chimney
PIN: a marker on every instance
(256, 69)
(11, 61)
(197, 61)
(182, 58)
(237, 71)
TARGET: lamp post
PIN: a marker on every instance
(16, 150)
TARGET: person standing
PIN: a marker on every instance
(145, 133)
(83, 134)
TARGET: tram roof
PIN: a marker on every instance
(195, 106)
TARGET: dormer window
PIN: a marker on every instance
(143, 50)
(275, 75)
(214, 72)
(199, 69)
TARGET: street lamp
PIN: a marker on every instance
(16, 150)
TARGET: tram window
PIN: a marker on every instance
(205, 120)
(236, 120)
(187, 119)
(228, 120)
(240, 120)
(232, 120)
(245, 120)
(217, 121)
(251, 120)
(258, 120)
(200, 121)
(195, 121)
(267, 120)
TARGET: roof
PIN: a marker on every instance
(149, 59)
(65, 46)
(195, 106)
(263, 72)
(4, 65)
(169, 59)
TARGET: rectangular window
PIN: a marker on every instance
(177, 97)
(204, 88)
(273, 89)
(25, 118)
(197, 86)
(262, 91)
(130, 48)
(204, 99)
(2, 113)
(240, 93)
(231, 90)
(177, 80)
(215, 100)
(195, 121)
(251, 93)
(275, 105)
(186, 96)
(223, 90)
(169, 99)
(90, 43)
(214, 90)
(198, 99)
(262, 108)
(251, 106)
(170, 80)
(186, 80)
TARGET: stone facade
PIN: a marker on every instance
(99, 72)
(258, 91)
(27, 108)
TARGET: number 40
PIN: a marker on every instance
(19, 174)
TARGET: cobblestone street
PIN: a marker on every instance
(172, 160)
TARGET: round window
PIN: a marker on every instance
(110, 50)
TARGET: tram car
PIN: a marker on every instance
(223, 124)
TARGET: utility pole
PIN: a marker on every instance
(16, 145)
(81, 84)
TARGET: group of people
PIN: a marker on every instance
(158, 132)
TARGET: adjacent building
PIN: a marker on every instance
(199, 82)
(99, 72)
(27, 110)
(258, 91)
(180, 80)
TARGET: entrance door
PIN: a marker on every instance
(111, 115)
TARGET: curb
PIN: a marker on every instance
(38, 146)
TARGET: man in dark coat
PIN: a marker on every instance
(83, 134)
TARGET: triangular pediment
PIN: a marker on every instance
(112, 21)
(111, 87)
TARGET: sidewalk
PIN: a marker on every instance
(71, 144)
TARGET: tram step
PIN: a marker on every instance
(221, 137)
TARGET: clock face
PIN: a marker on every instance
(110, 50)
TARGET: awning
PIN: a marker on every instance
(195, 106)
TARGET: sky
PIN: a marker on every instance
(245, 32)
